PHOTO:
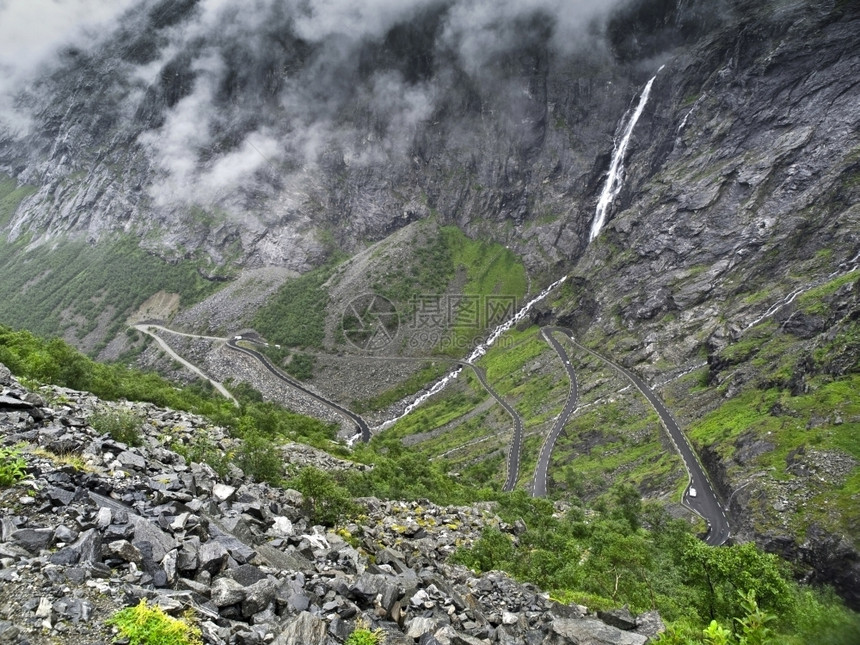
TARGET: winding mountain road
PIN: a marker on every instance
(361, 424)
(704, 501)
(516, 447)
(231, 343)
(539, 485)
(145, 329)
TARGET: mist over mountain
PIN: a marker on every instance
(290, 117)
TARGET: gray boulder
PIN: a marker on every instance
(33, 540)
(304, 630)
(226, 591)
(590, 631)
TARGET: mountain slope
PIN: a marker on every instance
(227, 142)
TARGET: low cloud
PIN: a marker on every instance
(31, 33)
(480, 30)
(278, 85)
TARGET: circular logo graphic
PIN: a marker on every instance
(370, 322)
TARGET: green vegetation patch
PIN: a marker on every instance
(813, 301)
(122, 425)
(452, 403)
(490, 267)
(511, 353)
(429, 270)
(12, 466)
(621, 552)
(11, 196)
(295, 316)
(445, 263)
(149, 625)
(67, 288)
(618, 441)
(808, 429)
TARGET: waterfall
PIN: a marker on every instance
(479, 351)
(845, 268)
(616, 168)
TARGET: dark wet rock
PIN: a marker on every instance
(13, 403)
(239, 551)
(258, 596)
(247, 574)
(212, 557)
(148, 532)
(620, 618)
(33, 540)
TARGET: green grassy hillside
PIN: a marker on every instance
(84, 292)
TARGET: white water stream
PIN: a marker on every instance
(852, 265)
(615, 175)
(479, 351)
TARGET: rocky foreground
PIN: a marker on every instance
(98, 525)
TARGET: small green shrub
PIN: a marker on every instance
(12, 466)
(258, 457)
(325, 501)
(121, 425)
(145, 625)
(363, 635)
(203, 450)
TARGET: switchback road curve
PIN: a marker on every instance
(516, 447)
(360, 423)
(539, 487)
(705, 501)
(146, 329)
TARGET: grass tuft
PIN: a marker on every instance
(145, 625)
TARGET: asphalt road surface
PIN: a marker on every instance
(145, 329)
(516, 447)
(705, 503)
(360, 423)
(539, 487)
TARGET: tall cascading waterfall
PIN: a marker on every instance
(616, 168)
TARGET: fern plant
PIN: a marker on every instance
(12, 466)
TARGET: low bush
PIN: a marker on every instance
(145, 625)
(12, 466)
(258, 457)
(122, 425)
(325, 501)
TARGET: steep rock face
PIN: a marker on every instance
(740, 196)
(742, 166)
(194, 127)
